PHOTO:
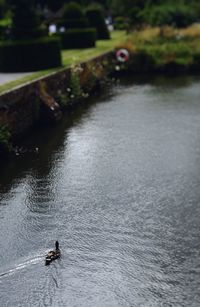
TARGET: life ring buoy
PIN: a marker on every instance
(122, 55)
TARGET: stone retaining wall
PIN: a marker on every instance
(21, 107)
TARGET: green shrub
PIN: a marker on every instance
(31, 55)
(77, 34)
(73, 17)
(96, 20)
(120, 23)
(5, 25)
(163, 53)
(183, 16)
(78, 38)
(25, 22)
(74, 84)
(72, 10)
(26, 33)
(135, 17)
(75, 23)
(178, 15)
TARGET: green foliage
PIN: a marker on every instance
(73, 11)
(135, 17)
(4, 138)
(170, 52)
(63, 100)
(173, 52)
(19, 34)
(122, 8)
(75, 86)
(69, 57)
(78, 38)
(120, 23)
(54, 5)
(5, 22)
(96, 20)
(25, 24)
(27, 48)
(29, 55)
(75, 23)
(178, 14)
(77, 34)
(73, 90)
(73, 17)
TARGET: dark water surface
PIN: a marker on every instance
(119, 187)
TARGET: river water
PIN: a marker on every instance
(119, 186)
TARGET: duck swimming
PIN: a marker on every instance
(53, 255)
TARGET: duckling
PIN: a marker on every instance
(53, 255)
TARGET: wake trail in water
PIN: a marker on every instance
(22, 266)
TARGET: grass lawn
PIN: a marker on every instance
(70, 57)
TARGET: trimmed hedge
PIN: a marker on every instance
(78, 38)
(26, 33)
(96, 20)
(25, 22)
(73, 23)
(22, 56)
(72, 10)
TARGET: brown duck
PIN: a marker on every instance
(53, 255)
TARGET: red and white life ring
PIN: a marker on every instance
(122, 55)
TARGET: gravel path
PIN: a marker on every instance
(6, 77)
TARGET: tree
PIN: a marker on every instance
(96, 20)
(25, 24)
(72, 10)
(55, 5)
(73, 16)
(122, 8)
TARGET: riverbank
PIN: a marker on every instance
(45, 99)
(48, 93)
(70, 57)
(44, 95)
(164, 49)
